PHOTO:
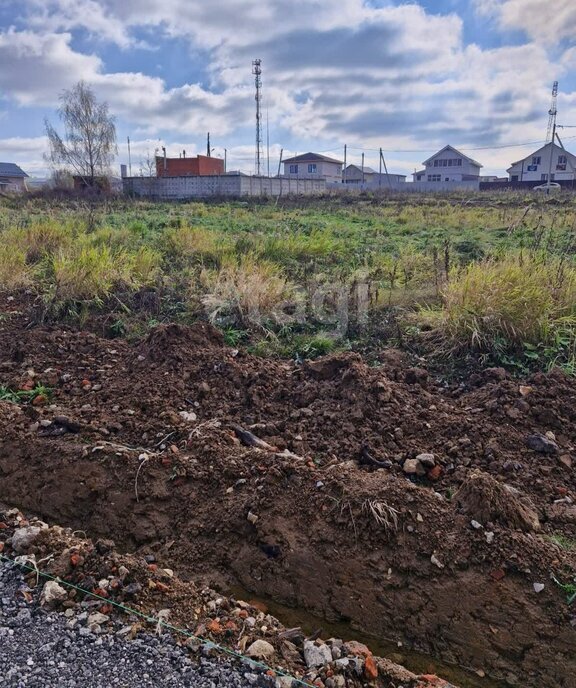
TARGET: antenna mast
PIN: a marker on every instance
(552, 114)
(257, 71)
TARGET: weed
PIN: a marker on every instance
(233, 336)
(568, 544)
(249, 292)
(24, 395)
(568, 588)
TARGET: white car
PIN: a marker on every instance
(548, 185)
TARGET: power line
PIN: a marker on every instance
(429, 150)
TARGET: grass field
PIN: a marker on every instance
(488, 279)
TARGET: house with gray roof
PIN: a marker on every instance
(313, 166)
(12, 178)
(448, 165)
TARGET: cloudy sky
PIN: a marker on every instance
(408, 76)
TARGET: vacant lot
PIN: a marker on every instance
(483, 279)
(402, 483)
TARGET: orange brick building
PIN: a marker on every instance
(200, 166)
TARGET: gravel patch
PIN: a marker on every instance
(39, 649)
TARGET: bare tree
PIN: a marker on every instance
(148, 164)
(88, 146)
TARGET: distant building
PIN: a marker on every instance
(313, 166)
(355, 174)
(199, 166)
(12, 178)
(448, 165)
(536, 166)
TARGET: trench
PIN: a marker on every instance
(417, 662)
(454, 621)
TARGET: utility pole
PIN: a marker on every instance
(344, 175)
(225, 158)
(257, 71)
(208, 144)
(385, 169)
(552, 130)
(280, 161)
(380, 169)
(129, 158)
(362, 167)
(268, 141)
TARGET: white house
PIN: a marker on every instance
(536, 166)
(448, 165)
(12, 178)
(356, 174)
(313, 166)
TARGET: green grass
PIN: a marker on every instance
(297, 263)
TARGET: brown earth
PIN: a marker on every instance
(301, 518)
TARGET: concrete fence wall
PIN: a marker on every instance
(434, 187)
(180, 188)
(566, 184)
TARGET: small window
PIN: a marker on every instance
(293, 169)
(536, 159)
(312, 169)
(562, 159)
(514, 178)
(459, 162)
(434, 177)
(436, 163)
(543, 177)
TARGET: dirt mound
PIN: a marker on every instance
(488, 501)
(149, 455)
(175, 343)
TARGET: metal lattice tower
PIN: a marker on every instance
(257, 71)
(552, 114)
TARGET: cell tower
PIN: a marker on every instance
(552, 114)
(257, 71)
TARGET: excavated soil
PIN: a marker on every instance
(150, 444)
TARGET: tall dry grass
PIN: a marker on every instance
(512, 302)
(14, 271)
(251, 292)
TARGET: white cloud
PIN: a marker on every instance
(26, 152)
(550, 22)
(392, 76)
(36, 66)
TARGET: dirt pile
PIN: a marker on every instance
(375, 494)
